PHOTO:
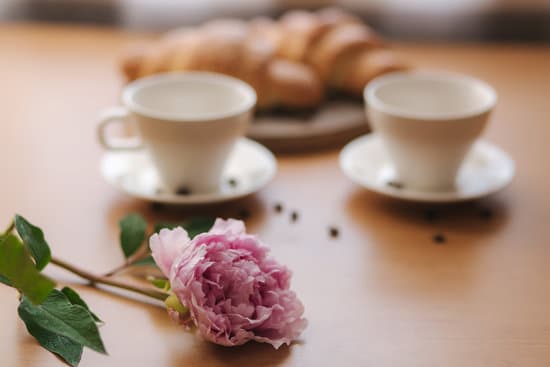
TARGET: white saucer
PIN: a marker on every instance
(251, 166)
(486, 170)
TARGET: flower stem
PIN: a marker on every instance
(117, 270)
(141, 254)
(94, 279)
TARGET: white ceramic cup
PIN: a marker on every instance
(188, 122)
(428, 122)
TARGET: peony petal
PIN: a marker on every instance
(230, 226)
(166, 246)
(279, 337)
(234, 291)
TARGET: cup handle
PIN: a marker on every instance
(116, 115)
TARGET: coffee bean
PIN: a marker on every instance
(486, 213)
(278, 207)
(334, 232)
(183, 191)
(431, 215)
(244, 213)
(395, 184)
(439, 238)
(294, 216)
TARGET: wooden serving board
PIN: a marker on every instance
(330, 126)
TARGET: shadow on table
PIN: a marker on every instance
(483, 217)
(426, 251)
(249, 209)
(249, 355)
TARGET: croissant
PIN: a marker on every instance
(289, 62)
(344, 51)
(229, 47)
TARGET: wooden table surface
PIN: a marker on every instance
(381, 294)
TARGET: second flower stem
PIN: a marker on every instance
(95, 279)
(140, 254)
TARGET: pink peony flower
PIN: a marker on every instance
(234, 292)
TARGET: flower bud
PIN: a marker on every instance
(173, 303)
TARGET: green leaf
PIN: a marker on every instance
(68, 350)
(147, 261)
(75, 299)
(193, 225)
(132, 233)
(59, 316)
(17, 266)
(33, 237)
(5, 280)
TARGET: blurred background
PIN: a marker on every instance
(427, 20)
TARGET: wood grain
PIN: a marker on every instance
(381, 294)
